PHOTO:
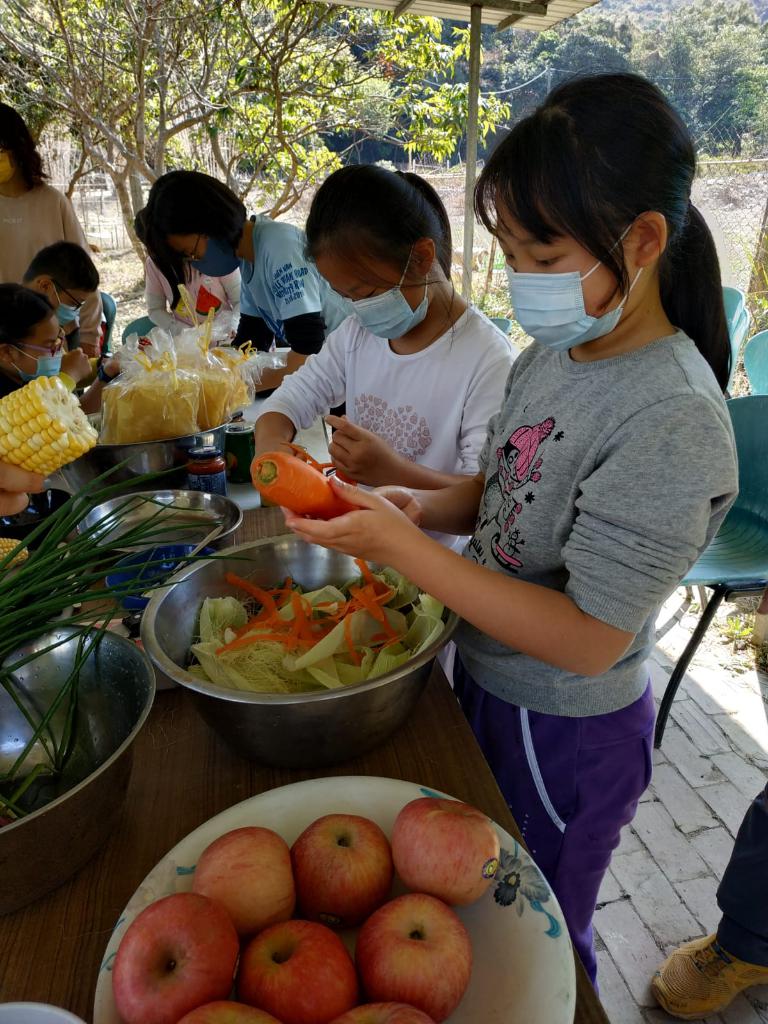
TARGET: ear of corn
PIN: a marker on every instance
(42, 427)
(7, 545)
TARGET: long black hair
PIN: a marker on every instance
(17, 138)
(20, 310)
(173, 266)
(597, 153)
(383, 213)
(189, 203)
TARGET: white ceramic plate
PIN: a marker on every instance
(523, 963)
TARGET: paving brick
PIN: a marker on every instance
(748, 730)
(616, 998)
(728, 804)
(748, 779)
(654, 899)
(610, 889)
(700, 728)
(688, 810)
(628, 842)
(713, 690)
(741, 1011)
(631, 946)
(699, 894)
(715, 846)
(695, 769)
(675, 856)
(659, 678)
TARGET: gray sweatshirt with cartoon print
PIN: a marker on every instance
(605, 480)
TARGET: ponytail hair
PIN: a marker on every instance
(368, 210)
(600, 151)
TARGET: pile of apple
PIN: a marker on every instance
(178, 959)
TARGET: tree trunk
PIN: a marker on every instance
(137, 195)
(124, 198)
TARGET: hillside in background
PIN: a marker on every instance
(648, 9)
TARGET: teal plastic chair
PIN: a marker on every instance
(502, 322)
(109, 307)
(737, 317)
(736, 561)
(141, 326)
(756, 363)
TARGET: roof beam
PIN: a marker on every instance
(516, 8)
(532, 8)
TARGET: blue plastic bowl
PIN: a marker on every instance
(165, 558)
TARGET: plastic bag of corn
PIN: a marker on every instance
(42, 427)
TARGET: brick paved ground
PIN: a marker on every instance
(660, 889)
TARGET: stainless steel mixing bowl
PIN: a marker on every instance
(190, 516)
(116, 689)
(291, 730)
(147, 457)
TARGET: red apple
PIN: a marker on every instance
(179, 953)
(299, 971)
(382, 1013)
(445, 848)
(342, 865)
(249, 872)
(415, 950)
(226, 1012)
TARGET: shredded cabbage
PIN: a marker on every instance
(415, 622)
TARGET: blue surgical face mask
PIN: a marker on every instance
(47, 366)
(65, 314)
(388, 315)
(550, 308)
(219, 259)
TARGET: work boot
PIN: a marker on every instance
(700, 978)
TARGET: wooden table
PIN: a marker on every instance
(183, 775)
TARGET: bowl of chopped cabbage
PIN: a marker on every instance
(295, 655)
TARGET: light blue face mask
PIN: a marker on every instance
(65, 314)
(388, 315)
(550, 308)
(219, 259)
(47, 366)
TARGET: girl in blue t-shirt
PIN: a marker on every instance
(606, 472)
(282, 296)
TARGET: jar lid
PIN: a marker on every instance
(208, 451)
(239, 427)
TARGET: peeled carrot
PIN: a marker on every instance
(286, 480)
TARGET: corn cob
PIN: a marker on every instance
(7, 544)
(42, 427)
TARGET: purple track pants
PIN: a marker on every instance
(571, 784)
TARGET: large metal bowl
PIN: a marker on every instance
(291, 730)
(116, 690)
(190, 517)
(147, 457)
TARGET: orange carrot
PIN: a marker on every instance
(264, 597)
(286, 480)
(259, 638)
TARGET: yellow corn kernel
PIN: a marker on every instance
(42, 427)
(7, 544)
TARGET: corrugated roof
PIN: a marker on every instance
(535, 15)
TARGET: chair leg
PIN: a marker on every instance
(684, 661)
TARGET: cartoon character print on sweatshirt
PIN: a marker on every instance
(519, 466)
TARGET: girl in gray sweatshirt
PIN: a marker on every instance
(606, 472)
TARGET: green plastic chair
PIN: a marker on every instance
(141, 325)
(737, 317)
(756, 363)
(109, 308)
(736, 561)
(502, 322)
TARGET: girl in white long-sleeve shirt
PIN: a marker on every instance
(420, 371)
